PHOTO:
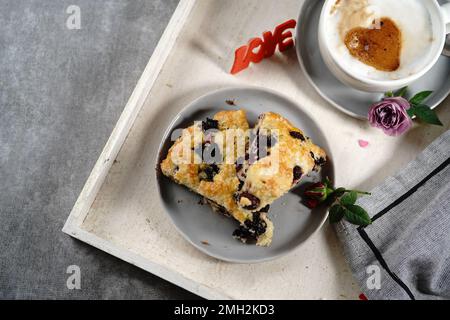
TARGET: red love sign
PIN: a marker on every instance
(257, 49)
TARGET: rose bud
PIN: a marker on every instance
(391, 116)
(318, 191)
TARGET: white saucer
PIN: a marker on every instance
(351, 101)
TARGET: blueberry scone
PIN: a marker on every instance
(207, 158)
(278, 164)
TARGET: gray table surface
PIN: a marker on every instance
(61, 93)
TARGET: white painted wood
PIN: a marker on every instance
(119, 212)
(129, 114)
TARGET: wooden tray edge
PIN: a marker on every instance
(110, 151)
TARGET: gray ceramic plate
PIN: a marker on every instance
(294, 222)
(351, 101)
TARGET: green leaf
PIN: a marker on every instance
(349, 198)
(411, 111)
(401, 92)
(336, 213)
(420, 97)
(389, 94)
(357, 215)
(427, 115)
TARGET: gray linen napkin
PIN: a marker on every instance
(405, 253)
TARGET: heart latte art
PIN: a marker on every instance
(380, 39)
(379, 47)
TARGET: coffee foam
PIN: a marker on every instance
(411, 17)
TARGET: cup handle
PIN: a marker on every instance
(446, 12)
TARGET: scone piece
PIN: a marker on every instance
(216, 181)
(287, 156)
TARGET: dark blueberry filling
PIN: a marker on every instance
(255, 202)
(320, 162)
(218, 208)
(223, 211)
(210, 124)
(265, 209)
(240, 174)
(243, 235)
(209, 172)
(297, 135)
(256, 226)
(251, 229)
(297, 171)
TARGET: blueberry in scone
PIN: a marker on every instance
(209, 159)
(277, 166)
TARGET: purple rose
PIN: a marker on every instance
(390, 115)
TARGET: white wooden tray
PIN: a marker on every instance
(118, 210)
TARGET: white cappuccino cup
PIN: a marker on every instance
(423, 25)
